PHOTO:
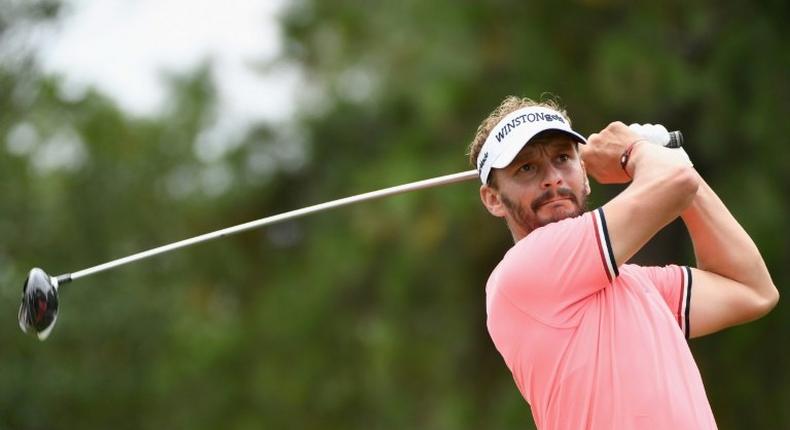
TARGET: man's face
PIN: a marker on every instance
(545, 183)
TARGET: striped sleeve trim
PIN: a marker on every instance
(685, 301)
(604, 244)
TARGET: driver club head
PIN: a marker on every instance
(39, 309)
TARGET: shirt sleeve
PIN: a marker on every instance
(549, 273)
(674, 285)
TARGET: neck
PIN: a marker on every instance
(518, 232)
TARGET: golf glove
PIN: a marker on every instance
(657, 134)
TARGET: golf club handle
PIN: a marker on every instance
(675, 139)
(412, 186)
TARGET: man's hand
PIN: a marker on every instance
(601, 154)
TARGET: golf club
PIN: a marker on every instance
(39, 309)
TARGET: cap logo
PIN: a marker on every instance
(526, 118)
(482, 161)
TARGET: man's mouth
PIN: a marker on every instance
(555, 200)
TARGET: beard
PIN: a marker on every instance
(530, 220)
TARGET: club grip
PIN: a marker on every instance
(675, 139)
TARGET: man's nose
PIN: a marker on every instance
(551, 177)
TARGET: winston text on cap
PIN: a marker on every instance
(526, 118)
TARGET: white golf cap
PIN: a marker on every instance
(514, 131)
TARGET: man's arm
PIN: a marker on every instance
(731, 284)
(663, 186)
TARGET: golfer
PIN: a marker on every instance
(593, 342)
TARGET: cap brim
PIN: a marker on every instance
(509, 154)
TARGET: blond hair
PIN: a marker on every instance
(508, 105)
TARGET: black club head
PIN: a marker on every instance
(39, 309)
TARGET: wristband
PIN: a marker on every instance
(627, 154)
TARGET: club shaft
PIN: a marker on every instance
(413, 186)
(676, 141)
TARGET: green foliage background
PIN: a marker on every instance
(371, 316)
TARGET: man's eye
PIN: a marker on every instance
(563, 157)
(527, 168)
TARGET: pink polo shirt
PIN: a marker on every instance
(591, 345)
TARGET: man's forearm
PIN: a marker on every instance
(722, 246)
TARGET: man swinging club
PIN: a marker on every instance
(593, 342)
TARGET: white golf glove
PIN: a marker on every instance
(657, 134)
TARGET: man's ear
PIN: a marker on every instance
(492, 201)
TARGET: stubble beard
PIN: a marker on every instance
(529, 219)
